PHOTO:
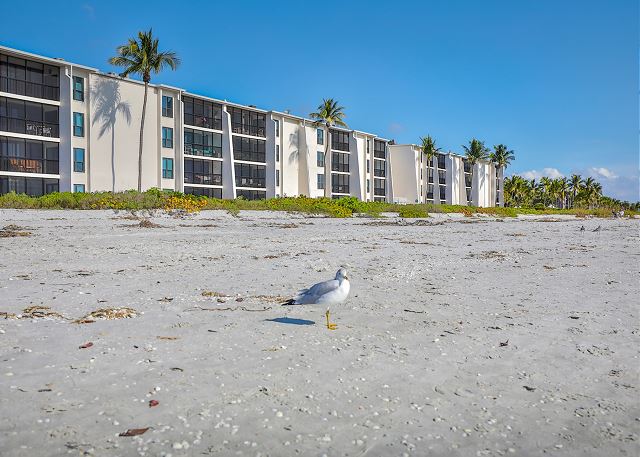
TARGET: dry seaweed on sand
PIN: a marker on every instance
(108, 314)
(13, 231)
(33, 312)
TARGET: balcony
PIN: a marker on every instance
(21, 165)
(29, 89)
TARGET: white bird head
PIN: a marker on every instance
(342, 274)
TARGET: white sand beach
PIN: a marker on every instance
(461, 336)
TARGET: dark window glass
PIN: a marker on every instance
(201, 113)
(167, 137)
(320, 136)
(248, 122)
(379, 186)
(339, 140)
(35, 187)
(198, 171)
(277, 177)
(443, 192)
(251, 194)
(78, 160)
(441, 162)
(320, 158)
(442, 177)
(339, 162)
(430, 192)
(78, 124)
(28, 156)
(78, 88)
(248, 175)
(379, 168)
(167, 106)
(379, 149)
(201, 143)
(167, 168)
(250, 149)
(78, 188)
(340, 183)
(277, 127)
(204, 191)
(320, 181)
(27, 117)
(430, 175)
(467, 167)
(30, 78)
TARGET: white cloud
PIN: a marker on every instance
(548, 172)
(601, 172)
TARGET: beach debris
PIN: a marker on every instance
(108, 314)
(582, 228)
(176, 369)
(239, 299)
(13, 231)
(134, 431)
(597, 229)
(153, 403)
(529, 388)
(212, 293)
(147, 223)
(505, 343)
(237, 308)
(166, 299)
(574, 317)
(86, 345)
(170, 338)
(548, 267)
(413, 311)
(486, 255)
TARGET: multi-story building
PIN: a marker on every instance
(448, 179)
(68, 127)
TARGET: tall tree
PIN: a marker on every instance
(475, 152)
(328, 114)
(141, 56)
(575, 184)
(430, 150)
(501, 157)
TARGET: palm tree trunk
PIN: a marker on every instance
(144, 109)
(327, 170)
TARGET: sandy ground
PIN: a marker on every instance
(461, 336)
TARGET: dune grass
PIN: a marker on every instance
(343, 207)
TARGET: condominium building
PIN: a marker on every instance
(69, 127)
(446, 179)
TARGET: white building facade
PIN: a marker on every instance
(71, 128)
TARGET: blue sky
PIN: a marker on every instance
(557, 81)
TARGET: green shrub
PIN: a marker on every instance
(412, 211)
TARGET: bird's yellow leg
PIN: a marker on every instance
(330, 326)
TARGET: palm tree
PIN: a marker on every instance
(429, 149)
(563, 190)
(142, 57)
(501, 157)
(329, 114)
(575, 183)
(475, 152)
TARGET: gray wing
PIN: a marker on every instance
(310, 296)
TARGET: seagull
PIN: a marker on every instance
(582, 228)
(332, 292)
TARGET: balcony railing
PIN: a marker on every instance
(22, 165)
(250, 182)
(248, 129)
(340, 189)
(37, 128)
(204, 151)
(379, 172)
(200, 178)
(36, 90)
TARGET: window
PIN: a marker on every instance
(430, 192)
(277, 177)
(320, 136)
(167, 137)
(368, 145)
(379, 168)
(248, 175)
(201, 143)
(78, 188)
(320, 181)
(78, 124)
(339, 162)
(340, 183)
(277, 153)
(340, 140)
(34, 187)
(200, 113)
(320, 158)
(78, 160)
(379, 186)
(442, 177)
(277, 123)
(167, 106)
(28, 156)
(167, 168)
(368, 185)
(203, 191)
(247, 122)
(379, 148)
(251, 194)
(249, 149)
(443, 193)
(369, 166)
(467, 167)
(430, 175)
(441, 163)
(28, 117)
(26, 77)
(197, 171)
(78, 88)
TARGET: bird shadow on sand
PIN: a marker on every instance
(288, 320)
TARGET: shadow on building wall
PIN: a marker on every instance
(107, 104)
